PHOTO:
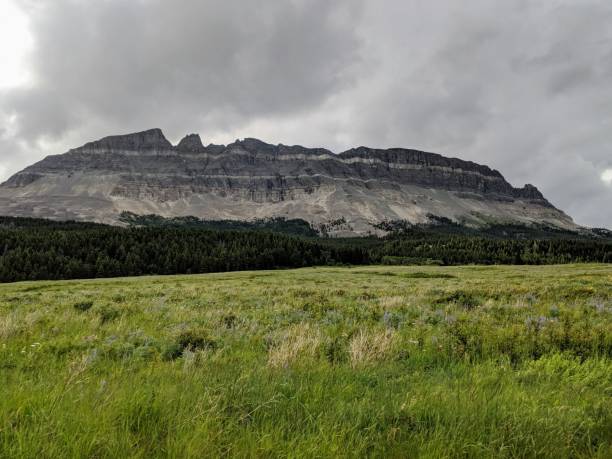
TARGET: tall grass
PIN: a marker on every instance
(328, 362)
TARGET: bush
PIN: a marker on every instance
(83, 306)
(108, 314)
(190, 340)
(465, 299)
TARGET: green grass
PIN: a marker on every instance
(320, 362)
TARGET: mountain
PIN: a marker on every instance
(347, 193)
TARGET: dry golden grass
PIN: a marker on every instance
(392, 302)
(299, 341)
(192, 360)
(371, 346)
(9, 326)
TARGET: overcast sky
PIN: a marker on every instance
(524, 86)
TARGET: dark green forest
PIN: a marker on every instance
(34, 249)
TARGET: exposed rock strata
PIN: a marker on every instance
(144, 173)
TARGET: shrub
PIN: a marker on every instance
(229, 320)
(189, 340)
(423, 275)
(335, 350)
(196, 340)
(465, 299)
(108, 313)
(83, 306)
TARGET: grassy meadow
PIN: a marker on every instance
(320, 362)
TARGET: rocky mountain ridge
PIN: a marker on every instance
(248, 179)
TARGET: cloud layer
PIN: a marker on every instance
(521, 86)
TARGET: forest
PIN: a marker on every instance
(34, 249)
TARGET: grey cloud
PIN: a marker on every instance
(153, 60)
(519, 85)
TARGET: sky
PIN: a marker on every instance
(523, 86)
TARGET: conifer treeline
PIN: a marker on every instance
(49, 253)
(37, 250)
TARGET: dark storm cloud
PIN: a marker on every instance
(142, 62)
(520, 85)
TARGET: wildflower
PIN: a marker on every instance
(542, 321)
(535, 324)
(332, 317)
(102, 386)
(600, 306)
(91, 357)
(530, 298)
(391, 320)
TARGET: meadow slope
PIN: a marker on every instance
(318, 362)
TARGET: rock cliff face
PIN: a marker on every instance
(145, 173)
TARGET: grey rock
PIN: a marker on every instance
(191, 143)
(151, 139)
(144, 173)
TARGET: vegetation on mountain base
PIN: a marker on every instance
(38, 249)
(293, 226)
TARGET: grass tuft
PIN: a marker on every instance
(297, 343)
(368, 347)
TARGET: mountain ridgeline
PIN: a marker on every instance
(352, 193)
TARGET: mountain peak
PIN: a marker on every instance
(253, 144)
(150, 139)
(529, 191)
(253, 179)
(191, 143)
